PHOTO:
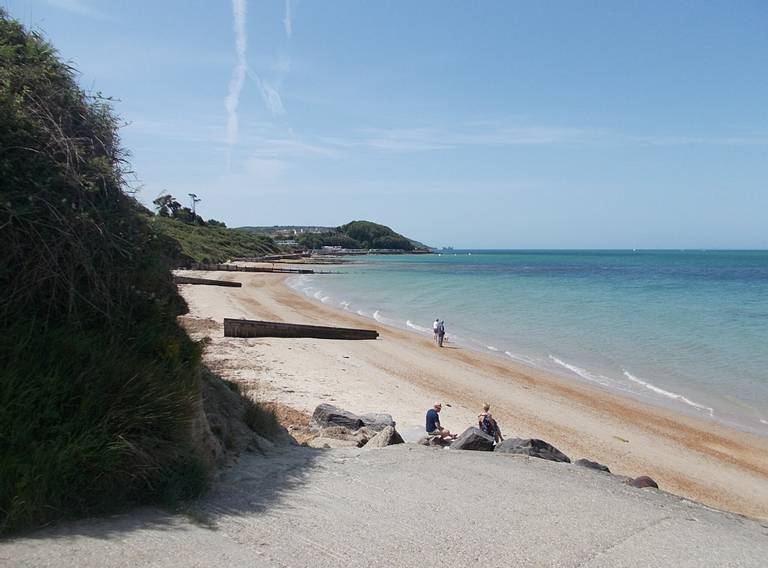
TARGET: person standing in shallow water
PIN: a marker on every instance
(440, 333)
(435, 325)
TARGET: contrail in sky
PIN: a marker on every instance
(287, 20)
(238, 72)
(271, 96)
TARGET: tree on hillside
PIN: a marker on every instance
(167, 206)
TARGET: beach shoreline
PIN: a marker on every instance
(665, 400)
(403, 372)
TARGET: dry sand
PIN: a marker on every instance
(403, 373)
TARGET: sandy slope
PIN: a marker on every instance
(402, 373)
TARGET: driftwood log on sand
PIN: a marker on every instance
(251, 328)
(206, 281)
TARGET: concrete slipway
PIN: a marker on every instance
(406, 505)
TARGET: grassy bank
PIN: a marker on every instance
(212, 244)
(98, 382)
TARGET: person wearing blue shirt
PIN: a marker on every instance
(433, 423)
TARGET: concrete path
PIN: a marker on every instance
(407, 506)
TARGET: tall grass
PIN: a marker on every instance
(91, 422)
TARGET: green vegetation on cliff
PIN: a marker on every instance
(209, 243)
(98, 383)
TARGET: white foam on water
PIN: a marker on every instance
(378, 317)
(318, 295)
(325, 299)
(362, 313)
(521, 358)
(491, 348)
(412, 325)
(669, 394)
(344, 305)
(583, 373)
(763, 421)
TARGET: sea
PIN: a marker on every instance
(686, 330)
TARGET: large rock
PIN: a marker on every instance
(387, 437)
(326, 415)
(377, 420)
(360, 436)
(473, 439)
(642, 482)
(532, 447)
(592, 465)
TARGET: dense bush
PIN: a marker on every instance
(97, 381)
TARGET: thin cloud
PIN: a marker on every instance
(287, 21)
(232, 100)
(701, 140)
(269, 93)
(432, 139)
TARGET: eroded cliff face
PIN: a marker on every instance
(219, 429)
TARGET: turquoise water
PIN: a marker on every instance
(688, 330)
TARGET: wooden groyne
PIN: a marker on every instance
(205, 281)
(251, 328)
(271, 257)
(237, 268)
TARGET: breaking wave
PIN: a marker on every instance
(583, 373)
(412, 325)
(669, 394)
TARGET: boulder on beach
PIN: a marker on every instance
(592, 465)
(377, 420)
(532, 447)
(326, 415)
(473, 439)
(642, 482)
(387, 437)
(360, 436)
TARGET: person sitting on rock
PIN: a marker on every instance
(487, 423)
(433, 423)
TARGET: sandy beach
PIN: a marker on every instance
(403, 373)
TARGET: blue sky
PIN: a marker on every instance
(476, 124)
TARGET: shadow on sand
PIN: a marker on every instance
(251, 486)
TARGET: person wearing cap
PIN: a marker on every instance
(433, 423)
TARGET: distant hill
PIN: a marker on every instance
(354, 235)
